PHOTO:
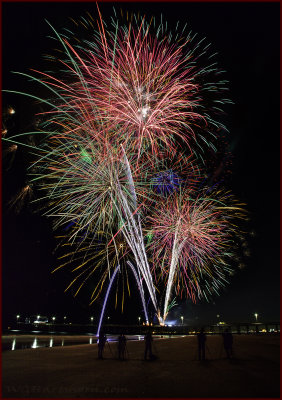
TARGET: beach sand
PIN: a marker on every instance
(75, 371)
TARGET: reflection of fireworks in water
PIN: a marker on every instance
(193, 242)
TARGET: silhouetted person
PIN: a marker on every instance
(101, 344)
(121, 346)
(148, 345)
(228, 342)
(202, 344)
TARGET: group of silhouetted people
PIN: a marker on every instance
(148, 354)
(121, 346)
(227, 344)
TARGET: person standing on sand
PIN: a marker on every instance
(202, 344)
(101, 344)
(148, 345)
(227, 342)
(121, 346)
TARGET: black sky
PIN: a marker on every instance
(246, 36)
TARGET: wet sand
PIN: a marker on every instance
(75, 371)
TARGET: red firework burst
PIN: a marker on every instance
(193, 233)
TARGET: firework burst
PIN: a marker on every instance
(193, 236)
(93, 258)
(170, 175)
(148, 88)
(82, 181)
(128, 112)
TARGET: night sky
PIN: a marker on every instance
(246, 36)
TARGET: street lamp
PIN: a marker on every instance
(256, 316)
(53, 318)
(92, 318)
(181, 319)
(18, 316)
(139, 319)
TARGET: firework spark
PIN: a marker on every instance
(22, 198)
